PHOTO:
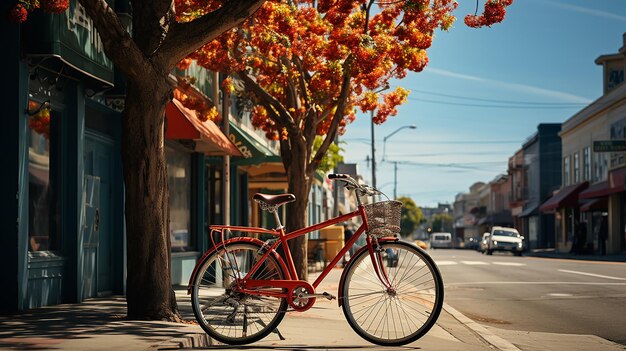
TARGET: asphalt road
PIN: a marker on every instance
(537, 294)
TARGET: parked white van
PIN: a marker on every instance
(441, 241)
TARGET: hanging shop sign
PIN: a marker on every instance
(72, 38)
(609, 145)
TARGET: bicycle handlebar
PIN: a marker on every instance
(352, 184)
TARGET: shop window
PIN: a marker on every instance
(600, 166)
(587, 163)
(179, 181)
(42, 190)
(576, 168)
(214, 194)
(566, 171)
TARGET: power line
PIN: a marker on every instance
(441, 141)
(455, 153)
(500, 101)
(474, 166)
(525, 107)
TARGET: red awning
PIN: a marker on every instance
(599, 204)
(183, 123)
(614, 184)
(566, 197)
(595, 190)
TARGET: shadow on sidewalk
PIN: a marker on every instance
(45, 327)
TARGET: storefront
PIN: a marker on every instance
(63, 232)
(564, 204)
(189, 142)
(596, 200)
(264, 173)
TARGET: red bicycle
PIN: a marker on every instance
(391, 291)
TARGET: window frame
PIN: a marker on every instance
(180, 151)
(566, 171)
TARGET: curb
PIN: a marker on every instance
(481, 331)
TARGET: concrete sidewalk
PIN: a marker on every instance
(99, 324)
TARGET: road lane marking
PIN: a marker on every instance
(445, 263)
(517, 264)
(573, 260)
(536, 283)
(473, 263)
(560, 295)
(591, 274)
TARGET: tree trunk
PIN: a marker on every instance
(299, 185)
(149, 292)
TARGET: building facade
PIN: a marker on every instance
(63, 199)
(542, 176)
(591, 206)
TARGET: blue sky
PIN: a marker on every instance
(485, 91)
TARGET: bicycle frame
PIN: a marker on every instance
(291, 282)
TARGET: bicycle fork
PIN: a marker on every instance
(375, 253)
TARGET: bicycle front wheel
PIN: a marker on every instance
(226, 314)
(402, 313)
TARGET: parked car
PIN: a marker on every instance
(482, 246)
(505, 239)
(472, 243)
(441, 241)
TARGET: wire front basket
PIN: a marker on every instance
(383, 218)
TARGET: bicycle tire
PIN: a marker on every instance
(376, 313)
(232, 317)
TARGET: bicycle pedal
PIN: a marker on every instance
(329, 296)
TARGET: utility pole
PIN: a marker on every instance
(226, 160)
(395, 179)
(373, 152)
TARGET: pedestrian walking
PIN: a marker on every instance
(603, 234)
(575, 249)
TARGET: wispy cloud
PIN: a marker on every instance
(586, 10)
(523, 88)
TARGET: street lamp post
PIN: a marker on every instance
(395, 163)
(412, 126)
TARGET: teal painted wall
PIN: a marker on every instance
(14, 177)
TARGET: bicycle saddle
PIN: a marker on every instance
(274, 200)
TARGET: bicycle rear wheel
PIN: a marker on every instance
(401, 314)
(230, 316)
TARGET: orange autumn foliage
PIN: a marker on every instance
(301, 53)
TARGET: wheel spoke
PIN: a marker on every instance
(404, 312)
(226, 314)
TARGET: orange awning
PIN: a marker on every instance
(566, 197)
(183, 123)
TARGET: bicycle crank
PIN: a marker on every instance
(301, 297)
(325, 295)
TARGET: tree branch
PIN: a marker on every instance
(303, 77)
(117, 42)
(339, 114)
(185, 38)
(283, 117)
(291, 88)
